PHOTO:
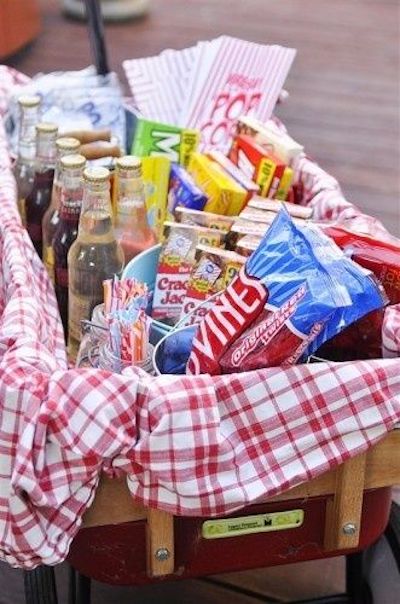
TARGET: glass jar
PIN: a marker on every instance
(106, 359)
(94, 333)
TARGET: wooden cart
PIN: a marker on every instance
(345, 511)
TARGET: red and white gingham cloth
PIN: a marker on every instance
(190, 445)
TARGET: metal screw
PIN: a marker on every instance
(162, 554)
(349, 529)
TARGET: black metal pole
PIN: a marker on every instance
(96, 35)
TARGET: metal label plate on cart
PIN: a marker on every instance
(248, 525)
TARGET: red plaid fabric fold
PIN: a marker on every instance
(189, 445)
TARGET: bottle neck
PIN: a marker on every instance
(27, 134)
(131, 204)
(130, 192)
(58, 170)
(71, 195)
(45, 151)
(95, 221)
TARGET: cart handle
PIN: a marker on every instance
(96, 36)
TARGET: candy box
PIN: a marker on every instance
(271, 205)
(183, 191)
(154, 138)
(204, 219)
(156, 177)
(228, 166)
(242, 227)
(224, 194)
(272, 176)
(272, 138)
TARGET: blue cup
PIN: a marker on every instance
(144, 268)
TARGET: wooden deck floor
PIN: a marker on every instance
(343, 106)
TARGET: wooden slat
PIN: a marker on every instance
(344, 509)
(160, 540)
(113, 503)
(382, 470)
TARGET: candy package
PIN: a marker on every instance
(183, 191)
(380, 257)
(296, 291)
(204, 219)
(274, 205)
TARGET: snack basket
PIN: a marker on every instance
(308, 479)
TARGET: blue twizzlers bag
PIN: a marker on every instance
(296, 291)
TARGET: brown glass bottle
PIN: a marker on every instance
(94, 256)
(38, 200)
(131, 226)
(65, 146)
(67, 228)
(24, 167)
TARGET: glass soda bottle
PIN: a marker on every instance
(24, 166)
(67, 228)
(64, 146)
(131, 226)
(94, 256)
(38, 200)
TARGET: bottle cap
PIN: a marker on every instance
(29, 100)
(73, 161)
(67, 143)
(96, 174)
(129, 162)
(48, 127)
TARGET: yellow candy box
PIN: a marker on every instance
(225, 195)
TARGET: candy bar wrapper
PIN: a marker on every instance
(382, 257)
(271, 205)
(266, 170)
(247, 245)
(242, 227)
(183, 191)
(226, 164)
(175, 264)
(204, 219)
(224, 195)
(283, 305)
(231, 77)
(156, 171)
(150, 138)
(270, 137)
(256, 215)
(213, 271)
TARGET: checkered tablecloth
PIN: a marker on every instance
(189, 445)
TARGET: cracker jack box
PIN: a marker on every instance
(212, 272)
(175, 263)
(149, 138)
(280, 144)
(273, 177)
(225, 195)
(156, 171)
